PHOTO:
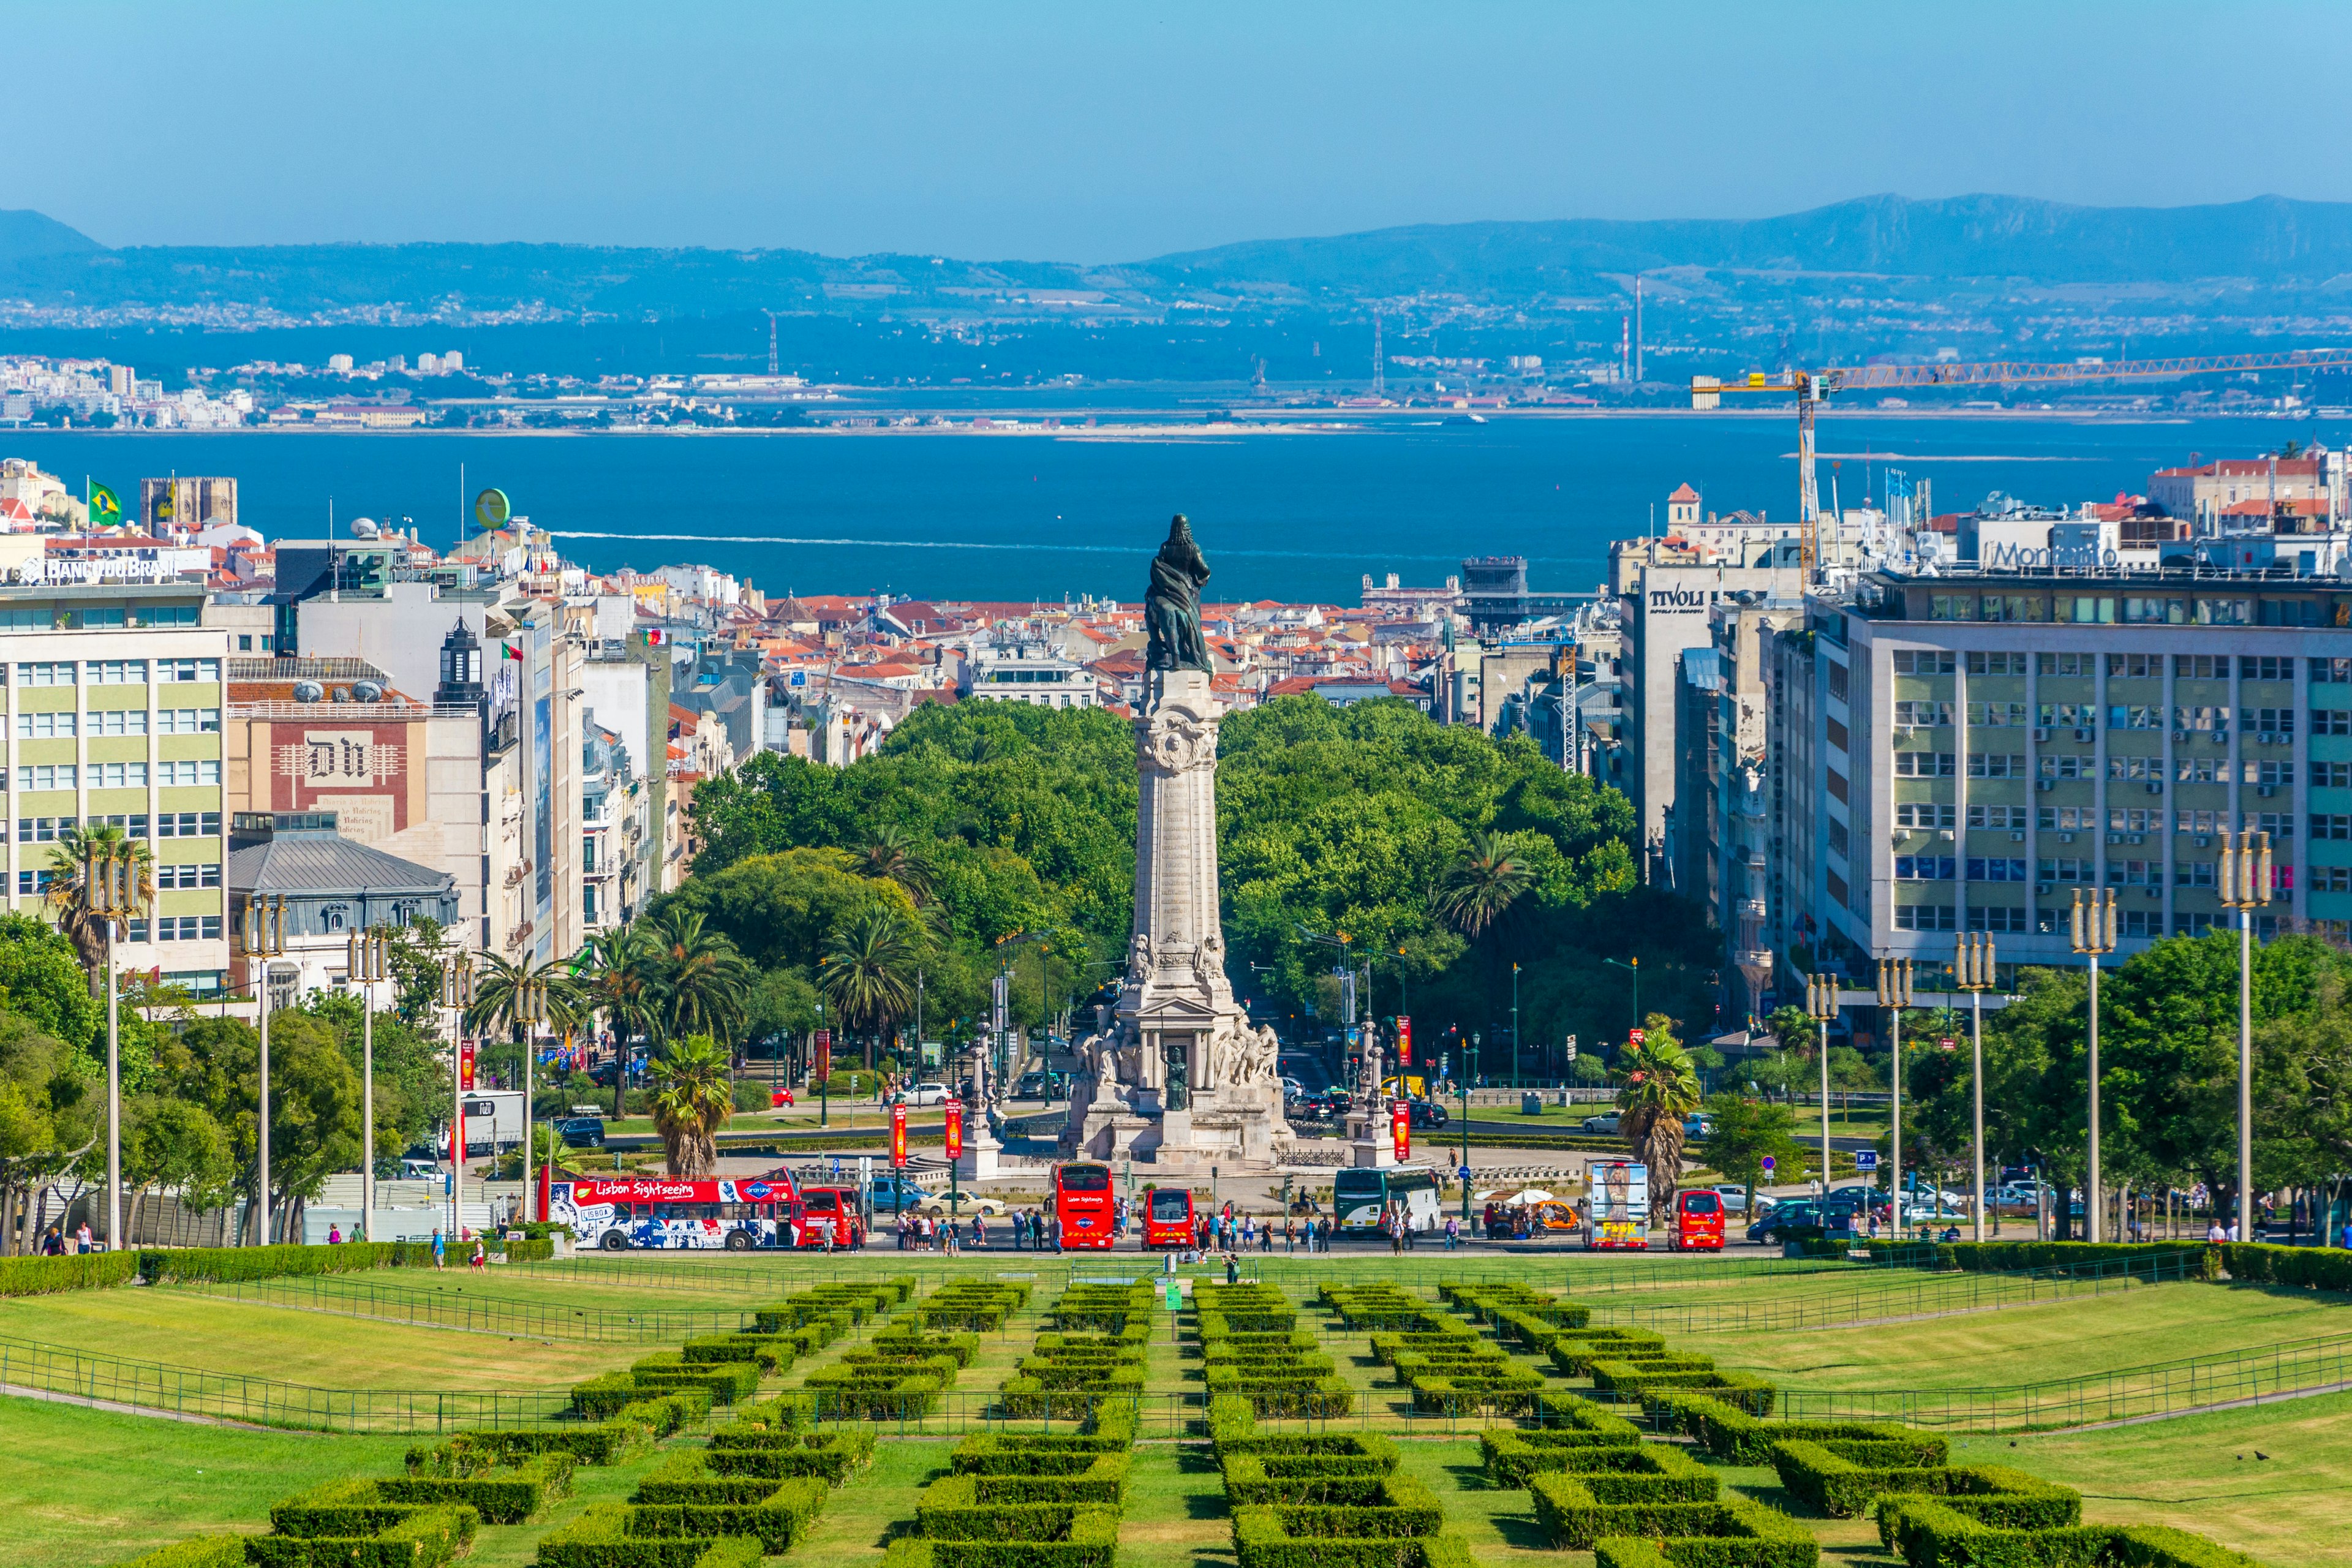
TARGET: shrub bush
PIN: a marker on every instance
(1928, 1532)
(202, 1552)
(500, 1493)
(1842, 1478)
(329, 1527)
(1574, 1350)
(221, 1264)
(588, 1443)
(1466, 1392)
(769, 1352)
(1737, 1438)
(1737, 1534)
(1649, 1491)
(1306, 1396)
(1075, 1536)
(778, 1454)
(1337, 1470)
(2306, 1268)
(1334, 1535)
(75, 1271)
(778, 1520)
(1636, 1379)
(600, 1538)
(1512, 1457)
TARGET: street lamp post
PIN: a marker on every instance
(111, 889)
(1972, 972)
(1894, 994)
(2093, 934)
(1469, 1054)
(457, 994)
(1514, 1024)
(265, 939)
(2245, 878)
(531, 1011)
(1822, 1005)
(366, 960)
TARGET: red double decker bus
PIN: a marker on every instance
(736, 1214)
(1083, 1206)
(1168, 1218)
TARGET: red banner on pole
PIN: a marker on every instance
(823, 1054)
(897, 1135)
(954, 1128)
(1401, 1128)
(1404, 1041)
(465, 1067)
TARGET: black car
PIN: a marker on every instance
(581, 1131)
(1426, 1113)
(1803, 1214)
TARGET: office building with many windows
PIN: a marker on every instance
(113, 715)
(1979, 745)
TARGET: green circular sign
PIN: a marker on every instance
(492, 509)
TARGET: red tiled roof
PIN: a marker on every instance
(1683, 496)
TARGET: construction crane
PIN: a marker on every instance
(1811, 388)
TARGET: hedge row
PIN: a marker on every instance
(1367, 1306)
(602, 1538)
(2018, 1257)
(1735, 1437)
(1647, 1490)
(346, 1522)
(1102, 1307)
(972, 1304)
(1574, 1350)
(1357, 1534)
(1930, 1532)
(2309, 1267)
(1732, 1533)
(1225, 1311)
(500, 1493)
(1500, 1305)
(1512, 1457)
(761, 1450)
(1641, 1380)
(1842, 1478)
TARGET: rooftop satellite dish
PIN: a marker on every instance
(493, 509)
(309, 692)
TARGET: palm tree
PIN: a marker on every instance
(690, 1100)
(1659, 1086)
(1479, 889)
(499, 998)
(867, 973)
(622, 978)
(891, 856)
(74, 901)
(704, 981)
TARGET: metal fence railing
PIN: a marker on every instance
(31, 1369)
(2291, 1369)
(358, 1296)
(1886, 1293)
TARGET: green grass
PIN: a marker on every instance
(1176, 1515)
(188, 1329)
(87, 1488)
(2037, 1343)
(2199, 1473)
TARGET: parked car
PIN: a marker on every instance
(892, 1192)
(1795, 1214)
(1604, 1122)
(1696, 1125)
(1425, 1113)
(581, 1131)
(924, 1094)
(1033, 1086)
(1735, 1198)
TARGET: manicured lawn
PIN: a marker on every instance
(860, 1520)
(1176, 1515)
(2200, 1473)
(2032, 1344)
(86, 1488)
(319, 1349)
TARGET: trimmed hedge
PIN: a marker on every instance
(1503, 1391)
(1842, 1479)
(728, 1381)
(769, 1352)
(224, 1264)
(2015, 1256)
(597, 1443)
(2306, 1268)
(201, 1552)
(75, 1271)
(1340, 1470)
(778, 1520)
(1930, 1532)
(972, 1304)
(500, 1493)
(1574, 1350)
(1650, 1490)
(1333, 1535)
(1737, 1437)
(1735, 1533)
(1512, 1457)
(343, 1524)
(1638, 1379)
(1305, 1395)
(600, 1538)
(834, 1457)
(1081, 1536)
(906, 1338)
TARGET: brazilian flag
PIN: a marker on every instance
(104, 508)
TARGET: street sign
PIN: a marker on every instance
(1637, 1036)
(481, 1107)
(492, 509)
(1572, 1047)
(1175, 1296)
(1767, 1165)
(1865, 1160)
(1947, 1043)
(1462, 1173)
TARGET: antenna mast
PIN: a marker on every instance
(1378, 380)
(771, 344)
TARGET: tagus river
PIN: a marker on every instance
(1298, 515)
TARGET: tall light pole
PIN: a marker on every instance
(1514, 1024)
(1632, 966)
(265, 939)
(1821, 1006)
(1894, 994)
(1469, 1055)
(2245, 878)
(365, 962)
(1972, 971)
(2094, 935)
(110, 890)
(531, 1011)
(457, 994)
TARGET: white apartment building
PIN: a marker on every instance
(1028, 672)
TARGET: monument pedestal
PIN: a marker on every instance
(980, 1159)
(1370, 1145)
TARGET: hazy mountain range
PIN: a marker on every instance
(52, 274)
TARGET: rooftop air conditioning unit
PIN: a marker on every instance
(2082, 735)
(2017, 837)
(2221, 736)
(2114, 838)
(2041, 733)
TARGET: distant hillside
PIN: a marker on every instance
(2270, 239)
(24, 233)
(2272, 243)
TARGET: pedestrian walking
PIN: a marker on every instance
(1452, 1234)
(1290, 1235)
(82, 1237)
(480, 1259)
(1265, 1236)
(439, 1244)
(334, 1236)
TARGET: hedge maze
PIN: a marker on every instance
(1253, 1352)
(1100, 1357)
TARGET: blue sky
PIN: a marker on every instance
(1108, 131)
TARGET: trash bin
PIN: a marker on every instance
(1531, 1104)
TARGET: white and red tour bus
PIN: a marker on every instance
(736, 1214)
